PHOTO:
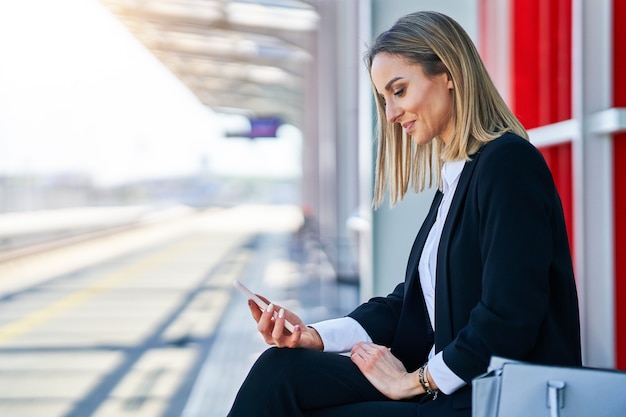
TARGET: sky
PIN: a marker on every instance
(79, 94)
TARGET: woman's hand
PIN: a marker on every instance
(273, 328)
(385, 371)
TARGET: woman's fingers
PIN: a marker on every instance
(282, 337)
(372, 358)
(279, 325)
(265, 324)
(368, 351)
(271, 324)
(383, 370)
(255, 310)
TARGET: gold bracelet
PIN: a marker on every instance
(421, 374)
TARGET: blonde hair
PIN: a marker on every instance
(439, 45)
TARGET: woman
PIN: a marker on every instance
(490, 271)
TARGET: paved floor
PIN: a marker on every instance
(146, 323)
(292, 280)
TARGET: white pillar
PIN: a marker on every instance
(592, 179)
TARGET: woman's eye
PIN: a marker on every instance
(399, 92)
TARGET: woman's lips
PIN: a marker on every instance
(408, 126)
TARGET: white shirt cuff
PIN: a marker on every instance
(340, 335)
(446, 380)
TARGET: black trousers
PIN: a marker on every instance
(307, 383)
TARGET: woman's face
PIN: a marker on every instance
(423, 105)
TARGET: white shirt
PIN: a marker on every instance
(340, 335)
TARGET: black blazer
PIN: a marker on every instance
(505, 282)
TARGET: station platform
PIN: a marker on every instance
(149, 296)
(290, 271)
(27, 232)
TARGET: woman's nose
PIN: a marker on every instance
(392, 112)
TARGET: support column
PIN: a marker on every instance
(593, 182)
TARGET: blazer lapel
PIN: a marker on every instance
(414, 335)
(420, 240)
(412, 287)
(443, 322)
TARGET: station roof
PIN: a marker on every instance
(237, 56)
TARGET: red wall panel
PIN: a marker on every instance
(542, 80)
(541, 61)
(619, 182)
(559, 159)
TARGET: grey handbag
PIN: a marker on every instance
(516, 389)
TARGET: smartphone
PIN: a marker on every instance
(262, 304)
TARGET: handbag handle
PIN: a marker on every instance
(555, 396)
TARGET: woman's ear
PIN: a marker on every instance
(450, 84)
